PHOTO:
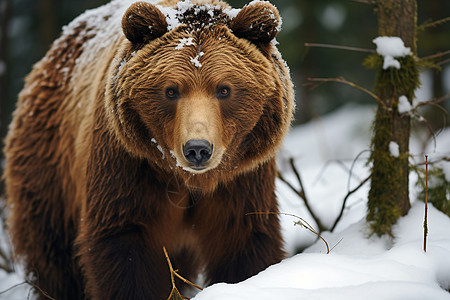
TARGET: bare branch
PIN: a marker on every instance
(371, 2)
(13, 287)
(302, 195)
(434, 100)
(353, 165)
(433, 24)
(32, 285)
(345, 81)
(344, 202)
(6, 259)
(443, 62)
(434, 161)
(339, 47)
(433, 56)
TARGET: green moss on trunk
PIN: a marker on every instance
(388, 195)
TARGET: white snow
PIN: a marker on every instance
(390, 61)
(403, 105)
(358, 267)
(232, 13)
(391, 47)
(196, 60)
(394, 149)
(171, 16)
(184, 42)
(153, 140)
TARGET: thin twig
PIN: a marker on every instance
(301, 193)
(301, 222)
(353, 165)
(32, 285)
(364, 1)
(349, 192)
(433, 24)
(425, 222)
(344, 202)
(336, 244)
(187, 281)
(435, 161)
(7, 265)
(431, 131)
(345, 81)
(174, 273)
(172, 278)
(174, 293)
(442, 62)
(339, 47)
(434, 100)
(439, 54)
(13, 287)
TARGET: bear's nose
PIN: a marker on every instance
(197, 151)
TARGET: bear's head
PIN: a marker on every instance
(200, 90)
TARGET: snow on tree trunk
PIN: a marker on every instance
(397, 76)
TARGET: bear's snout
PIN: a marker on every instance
(197, 152)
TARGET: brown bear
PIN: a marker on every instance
(149, 124)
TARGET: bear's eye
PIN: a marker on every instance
(223, 92)
(172, 93)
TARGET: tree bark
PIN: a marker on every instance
(389, 193)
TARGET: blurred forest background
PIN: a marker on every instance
(27, 28)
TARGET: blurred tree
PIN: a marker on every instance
(48, 21)
(4, 112)
(434, 39)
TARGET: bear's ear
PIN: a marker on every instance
(143, 22)
(258, 22)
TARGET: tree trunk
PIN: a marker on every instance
(389, 193)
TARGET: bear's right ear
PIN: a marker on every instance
(143, 22)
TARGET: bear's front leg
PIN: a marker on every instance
(120, 248)
(236, 244)
(232, 265)
(120, 264)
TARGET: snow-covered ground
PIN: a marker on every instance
(359, 266)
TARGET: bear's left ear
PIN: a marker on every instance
(258, 22)
(143, 22)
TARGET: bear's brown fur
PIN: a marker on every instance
(163, 135)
